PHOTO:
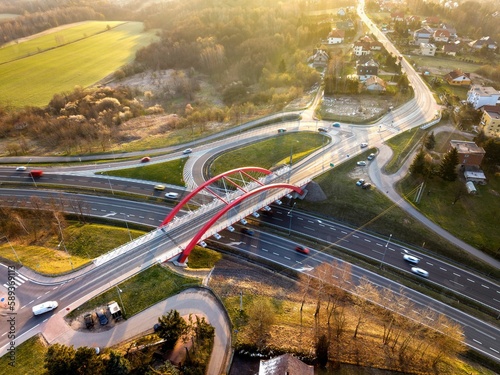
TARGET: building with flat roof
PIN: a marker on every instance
(480, 96)
(490, 121)
(468, 152)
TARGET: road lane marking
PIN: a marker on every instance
(456, 274)
(355, 236)
(485, 286)
(430, 264)
(253, 246)
(299, 218)
(472, 281)
(265, 250)
(276, 253)
(379, 244)
(479, 342)
(287, 258)
(367, 240)
(496, 351)
(343, 232)
(444, 269)
(454, 282)
(308, 228)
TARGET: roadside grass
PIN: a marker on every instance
(83, 243)
(56, 39)
(82, 63)
(472, 218)
(402, 145)
(443, 140)
(141, 291)
(441, 63)
(30, 356)
(270, 152)
(201, 258)
(170, 172)
(371, 211)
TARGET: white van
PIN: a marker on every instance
(44, 307)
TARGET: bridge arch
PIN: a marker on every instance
(206, 184)
(185, 253)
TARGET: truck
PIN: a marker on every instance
(36, 173)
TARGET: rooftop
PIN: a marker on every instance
(466, 147)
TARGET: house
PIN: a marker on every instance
(376, 46)
(361, 48)
(490, 120)
(422, 35)
(451, 30)
(451, 49)
(374, 83)
(441, 35)
(427, 49)
(341, 12)
(480, 96)
(469, 154)
(285, 364)
(366, 67)
(474, 174)
(458, 78)
(485, 40)
(432, 20)
(397, 16)
(336, 36)
(319, 59)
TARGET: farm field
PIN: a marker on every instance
(53, 38)
(32, 81)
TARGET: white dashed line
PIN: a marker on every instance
(444, 269)
(367, 240)
(355, 236)
(485, 286)
(456, 274)
(479, 342)
(265, 250)
(287, 258)
(496, 351)
(472, 281)
(309, 228)
(275, 253)
(430, 264)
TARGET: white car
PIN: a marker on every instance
(361, 163)
(278, 202)
(243, 221)
(360, 182)
(172, 195)
(202, 244)
(217, 236)
(420, 272)
(255, 214)
(230, 228)
(411, 258)
(21, 168)
(289, 196)
(267, 208)
(187, 151)
(44, 307)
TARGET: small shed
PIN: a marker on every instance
(471, 189)
(114, 309)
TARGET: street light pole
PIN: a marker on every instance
(289, 214)
(120, 297)
(386, 246)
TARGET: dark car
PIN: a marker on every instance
(156, 327)
(302, 249)
(247, 231)
(366, 185)
(323, 130)
(89, 321)
(145, 159)
(103, 320)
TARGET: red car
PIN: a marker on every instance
(145, 159)
(302, 249)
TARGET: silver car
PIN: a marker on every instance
(411, 258)
(420, 272)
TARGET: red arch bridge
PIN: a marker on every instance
(235, 194)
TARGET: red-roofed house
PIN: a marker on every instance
(451, 48)
(398, 16)
(458, 78)
(336, 36)
(441, 35)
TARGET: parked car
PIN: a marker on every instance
(217, 236)
(278, 202)
(202, 244)
(420, 272)
(89, 321)
(103, 320)
(247, 231)
(363, 145)
(410, 258)
(172, 195)
(243, 221)
(361, 163)
(336, 125)
(302, 249)
(145, 159)
(187, 151)
(281, 130)
(21, 168)
(322, 130)
(159, 187)
(366, 185)
(360, 182)
(230, 228)
(371, 156)
(156, 327)
(255, 214)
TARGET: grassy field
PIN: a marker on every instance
(443, 64)
(169, 172)
(141, 291)
(402, 145)
(82, 63)
(83, 242)
(271, 152)
(14, 51)
(30, 357)
(202, 258)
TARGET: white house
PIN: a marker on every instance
(480, 96)
(427, 49)
(336, 36)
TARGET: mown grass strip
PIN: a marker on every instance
(29, 358)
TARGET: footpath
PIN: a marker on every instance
(386, 184)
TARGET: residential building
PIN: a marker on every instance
(398, 16)
(485, 40)
(469, 154)
(458, 78)
(480, 96)
(422, 35)
(451, 49)
(427, 49)
(451, 29)
(441, 35)
(285, 364)
(336, 36)
(374, 83)
(361, 48)
(490, 121)
(474, 174)
(366, 67)
(432, 20)
(319, 59)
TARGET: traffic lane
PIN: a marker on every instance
(450, 276)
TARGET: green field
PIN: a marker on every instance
(34, 80)
(13, 51)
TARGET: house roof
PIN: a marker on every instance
(285, 364)
(441, 33)
(451, 47)
(432, 19)
(492, 110)
(373, 80)
(366, 60)
(467, 147)
(456, 73)
(335, 33)
(484, 91)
